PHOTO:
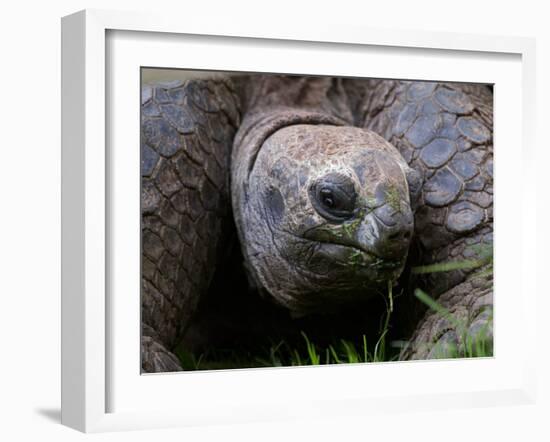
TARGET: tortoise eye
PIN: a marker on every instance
(333, 197)
(327, 198)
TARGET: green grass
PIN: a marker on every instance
(341, 352)
(469, 345)
(484, 259)
(359, 350)
(283, 354)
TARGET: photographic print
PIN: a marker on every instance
(291, 220)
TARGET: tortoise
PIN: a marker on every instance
(330, 189)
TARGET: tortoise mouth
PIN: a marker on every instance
(339, 275)
(386, 269)
(353, 260)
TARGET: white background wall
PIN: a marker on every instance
(30, 215)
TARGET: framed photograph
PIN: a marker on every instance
(262, 224)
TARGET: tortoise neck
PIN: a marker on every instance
(319, 95)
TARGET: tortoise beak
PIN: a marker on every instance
(386, 233)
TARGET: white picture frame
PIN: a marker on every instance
(93, 350)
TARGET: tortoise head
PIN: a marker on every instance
(327, 215)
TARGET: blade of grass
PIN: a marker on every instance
(380, 348)
(390, 294)
(334, 354)
(313, 356)
(350, 351)
(365, 350)
(438, 308)
(467, 264)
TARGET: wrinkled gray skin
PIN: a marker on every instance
(322, 201)
(308, 259)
